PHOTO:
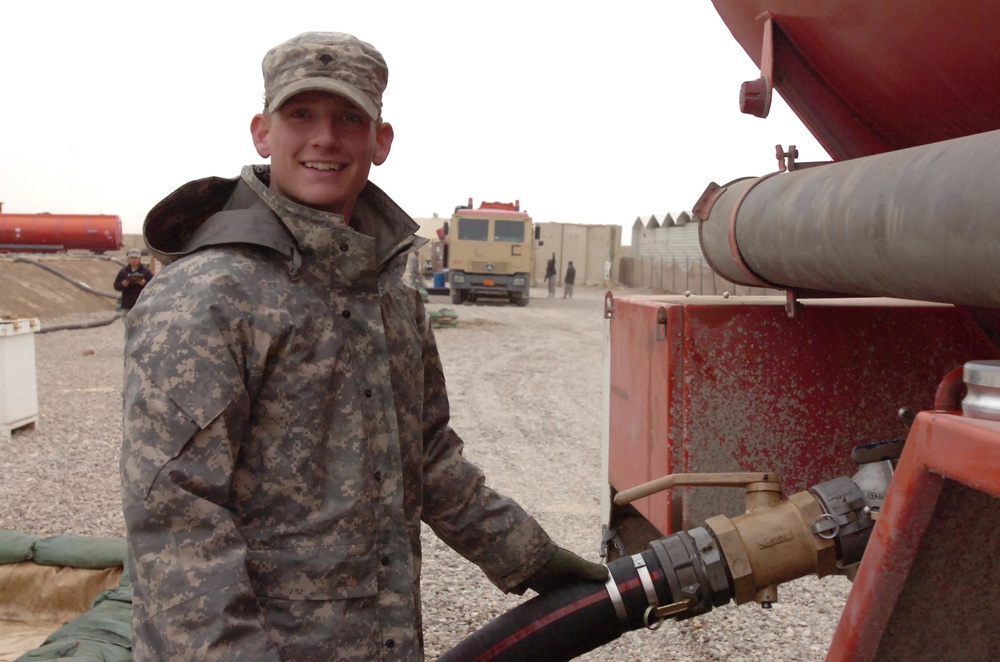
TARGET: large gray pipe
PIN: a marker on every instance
(920, 223)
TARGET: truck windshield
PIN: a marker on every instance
(512, 231)
(474, 229)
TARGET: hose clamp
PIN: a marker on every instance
(647, 586)
(611, 585)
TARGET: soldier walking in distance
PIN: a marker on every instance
(286, 423)
(568, 281)
(550, 275)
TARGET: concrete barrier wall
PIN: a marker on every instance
(675, 277)
(589, 247)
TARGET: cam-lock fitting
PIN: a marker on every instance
(771, 543)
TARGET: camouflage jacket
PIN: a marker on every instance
(285, 432)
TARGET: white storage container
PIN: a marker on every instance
(18, 384)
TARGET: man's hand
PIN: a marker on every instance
(564, 567)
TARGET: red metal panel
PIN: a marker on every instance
(737, 385)
(643, 384)
(868, 77)
(911, 599)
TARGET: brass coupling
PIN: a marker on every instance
(821, 531)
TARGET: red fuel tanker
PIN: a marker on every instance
(55, 233)
(881, 362)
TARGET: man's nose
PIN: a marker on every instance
(327, 134)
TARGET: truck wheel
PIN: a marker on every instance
(456, 297)
(519, 300)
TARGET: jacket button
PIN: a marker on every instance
(343, 247)
(346, 314)
(368, 393)
(390, 643)
(378, 475)
(385, 560)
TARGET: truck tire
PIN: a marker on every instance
(456, 297)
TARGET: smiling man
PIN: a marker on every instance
(286, 424)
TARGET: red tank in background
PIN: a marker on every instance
(55, 233)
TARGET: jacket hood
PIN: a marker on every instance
(215, 211)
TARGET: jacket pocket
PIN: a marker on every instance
(320, 572)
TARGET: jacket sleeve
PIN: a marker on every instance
(484, 526)
(118, 280)
(185, 408)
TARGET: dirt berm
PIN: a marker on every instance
(29, 289)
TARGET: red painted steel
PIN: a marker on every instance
(737, 385)
(868, 77)
(960, 596)
(60, 232)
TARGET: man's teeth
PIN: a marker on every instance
(323, 166)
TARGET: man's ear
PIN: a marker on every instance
(383, 142)
(260, 129)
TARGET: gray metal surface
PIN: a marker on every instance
(919, 223)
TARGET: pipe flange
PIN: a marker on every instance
(715, 565)
(686, 572)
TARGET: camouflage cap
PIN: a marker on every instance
(329, 61)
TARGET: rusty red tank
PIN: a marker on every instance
(903, 97)
(54, 233)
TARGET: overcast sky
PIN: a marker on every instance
(584, 112)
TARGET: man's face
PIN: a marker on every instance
(134, 262)
(321, 147)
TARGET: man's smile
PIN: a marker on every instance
(316, 165)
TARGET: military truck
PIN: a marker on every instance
(490, 252)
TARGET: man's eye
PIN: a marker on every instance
(352, 118)
(299, 113)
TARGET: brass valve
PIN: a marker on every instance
(772, 542)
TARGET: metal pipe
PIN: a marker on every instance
(919, 223)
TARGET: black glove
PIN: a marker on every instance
(564, 567)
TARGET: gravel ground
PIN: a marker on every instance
(525, 391)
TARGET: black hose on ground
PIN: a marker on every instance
(567, 622)
(69, 279)
(79, 325)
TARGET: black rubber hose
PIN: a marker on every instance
(80, 325)
(564, 623)
(70, 279)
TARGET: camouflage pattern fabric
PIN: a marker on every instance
(283, 439)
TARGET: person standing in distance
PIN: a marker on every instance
(132, 278)
(550, 275)
(286, 423)
(568, 281)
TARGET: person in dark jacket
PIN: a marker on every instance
(286, 423)
(568, 281)
(550, 275)
(132, 279)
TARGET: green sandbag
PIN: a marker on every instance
(80, 551)
(16, 546)
(103, 634)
